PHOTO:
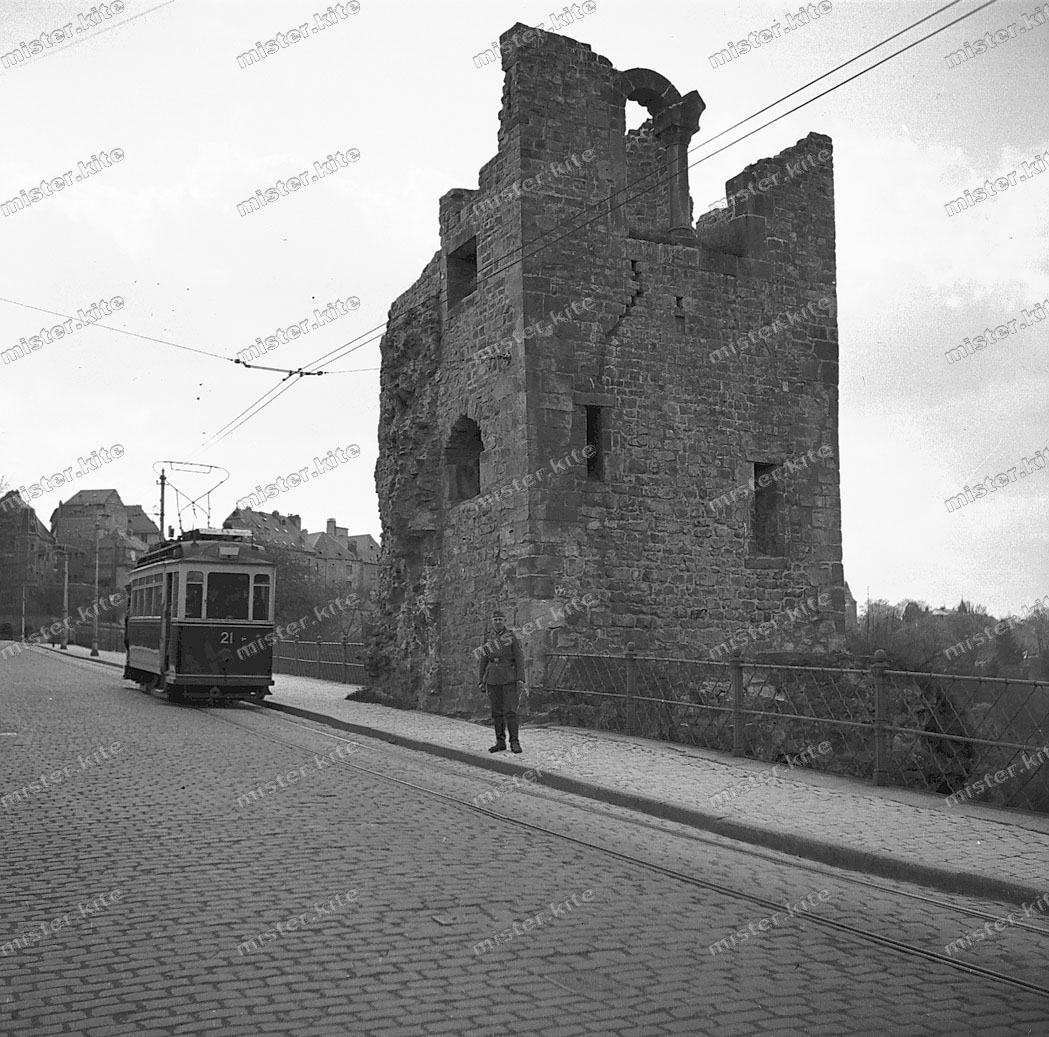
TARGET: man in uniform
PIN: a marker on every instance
(502, 674)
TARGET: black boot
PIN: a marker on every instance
(500, 737)
(515, 745)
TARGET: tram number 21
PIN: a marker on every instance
(226, 637)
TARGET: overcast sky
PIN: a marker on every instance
(397, 82)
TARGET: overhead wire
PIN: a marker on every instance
(221, 434)
(342, 351)
(663, 178)
(119, 331)
(335, 354)
(605, 208)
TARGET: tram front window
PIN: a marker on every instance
(228, 595)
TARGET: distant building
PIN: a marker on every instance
(364, 551)
(912, 612)
(270, 528)
(98, 521)
(367, 547)
(332, 560)
(27, 558)
(334, 556)
(141, 526)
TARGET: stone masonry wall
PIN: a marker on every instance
(708, 349)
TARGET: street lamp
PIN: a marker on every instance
(94, 635)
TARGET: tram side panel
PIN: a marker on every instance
(143, 652)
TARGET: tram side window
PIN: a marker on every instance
(260, 605)
(194, 595)
(228, 595)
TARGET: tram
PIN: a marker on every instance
(200, 609)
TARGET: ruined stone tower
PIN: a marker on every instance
(664, 393)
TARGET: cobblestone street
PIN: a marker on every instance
(147, 892)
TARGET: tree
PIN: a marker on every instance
(1032, 635)
(298, 592)
(333, 610)
(920, 641)
(1006, 650)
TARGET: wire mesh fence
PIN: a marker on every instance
(981, 739)
(340, 661)
(977, 739)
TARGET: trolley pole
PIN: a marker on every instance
(163, 480)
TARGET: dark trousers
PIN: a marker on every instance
(504, 699)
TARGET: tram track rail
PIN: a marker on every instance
(744, 896)
(862, 935)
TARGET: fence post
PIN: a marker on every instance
(345, 664)
(736, 671)
(319, 658)
(881, 719)
(631, 687)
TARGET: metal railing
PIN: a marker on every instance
(110, 636)
(340, 661)
(974, 739)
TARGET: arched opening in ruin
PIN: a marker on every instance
(674, 121)
(634, 115)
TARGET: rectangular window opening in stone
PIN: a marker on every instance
(765, 517)
(595, 462)
(462, 458)
(462, 272)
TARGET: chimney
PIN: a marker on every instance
(331, 527)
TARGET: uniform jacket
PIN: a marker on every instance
(502, 661)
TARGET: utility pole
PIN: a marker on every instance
(65, 603)
(25, 565)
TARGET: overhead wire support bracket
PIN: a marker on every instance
(279, 370)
